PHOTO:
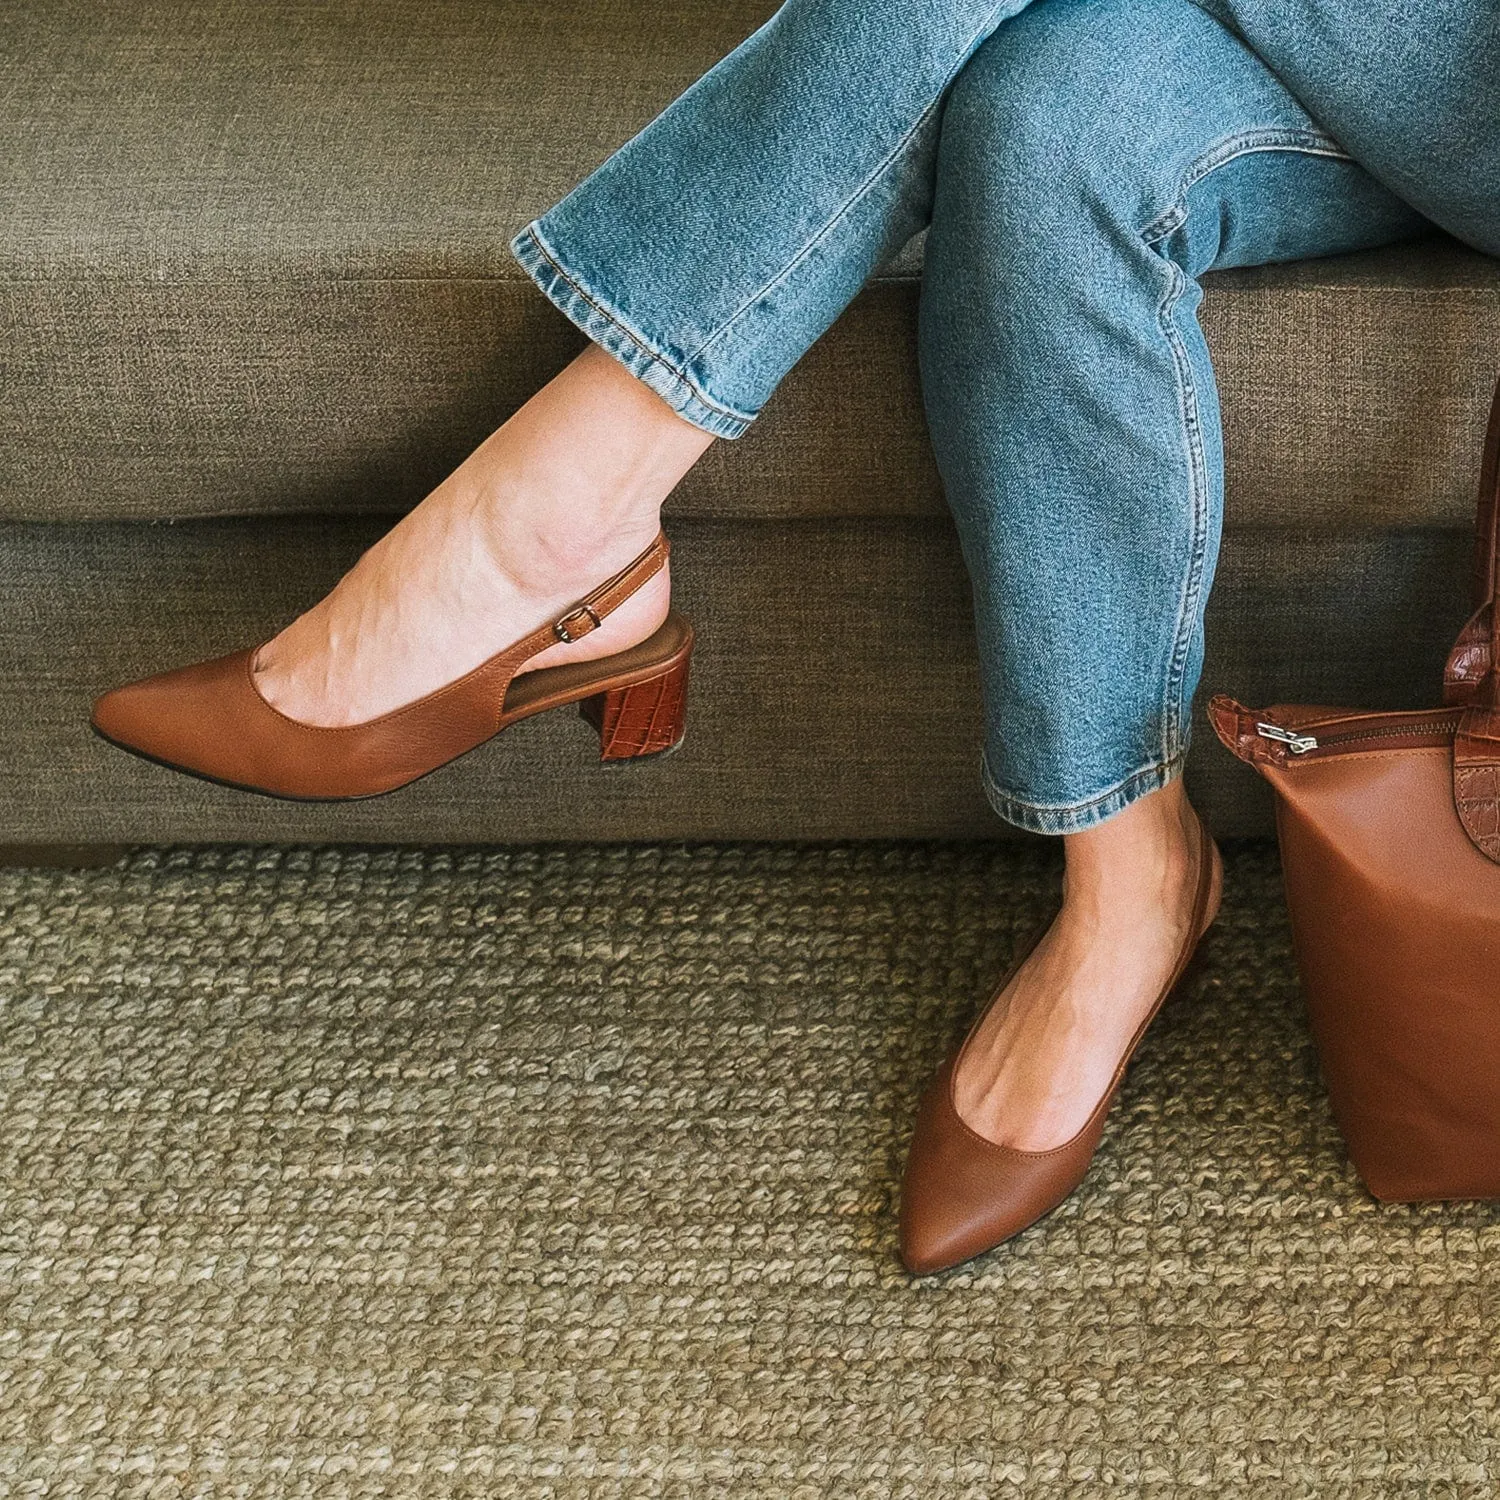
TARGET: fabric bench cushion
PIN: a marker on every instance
(253, 262)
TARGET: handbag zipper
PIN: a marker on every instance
(1301, 744)
(1298, 744)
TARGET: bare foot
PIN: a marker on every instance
(559, 499)
(1045, 1053)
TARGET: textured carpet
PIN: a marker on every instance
(571, 1173)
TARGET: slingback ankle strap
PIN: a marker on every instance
(591, 611)
(598, 604)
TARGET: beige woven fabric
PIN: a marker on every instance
(253, 261)
(570, 1173)
(834, 693)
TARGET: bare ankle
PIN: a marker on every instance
(545, 553)
(576, 478)
(1145, 856)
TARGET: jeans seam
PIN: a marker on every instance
(1231, 148)
(847, 207)
(1192, 586)
(1151, 768)
(1216, 156)
(615, 320)
(1034, 815)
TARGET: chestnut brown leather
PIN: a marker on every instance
(1389, 825)
(211, 720)
(645, 719)
(962, 1193)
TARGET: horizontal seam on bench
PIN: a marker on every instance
(1484, 288)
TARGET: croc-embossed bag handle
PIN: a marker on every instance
(1471, 658)
(1472, 676)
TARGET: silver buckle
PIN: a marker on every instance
(561, 631)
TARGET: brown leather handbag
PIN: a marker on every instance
(1389, 825)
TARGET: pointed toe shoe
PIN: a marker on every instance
(963, 1194)
(210, 719)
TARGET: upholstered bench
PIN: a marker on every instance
(256, 299)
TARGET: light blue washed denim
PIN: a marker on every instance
(1081, 163)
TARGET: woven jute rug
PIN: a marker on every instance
(571, 1172)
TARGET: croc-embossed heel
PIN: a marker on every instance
(646, 718)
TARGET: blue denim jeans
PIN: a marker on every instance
(1080, 163)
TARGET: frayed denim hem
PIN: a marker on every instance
(1075, 818)
(592, 316)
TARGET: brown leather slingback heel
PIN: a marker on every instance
(210, 720)
(963, 1194)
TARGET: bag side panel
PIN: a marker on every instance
(1396, 923)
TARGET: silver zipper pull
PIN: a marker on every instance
(1298, 744)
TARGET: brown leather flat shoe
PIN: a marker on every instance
(211, 721)
(963, 1194)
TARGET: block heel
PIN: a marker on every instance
(643, 718)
